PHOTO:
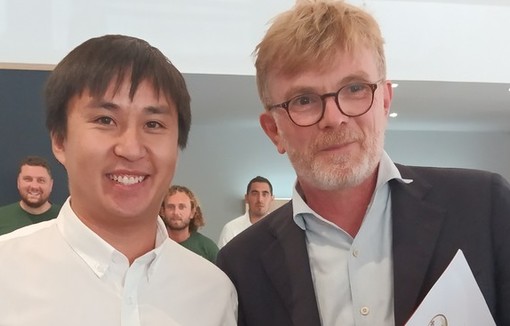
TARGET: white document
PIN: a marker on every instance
(455, 300)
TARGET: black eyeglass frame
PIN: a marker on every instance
(285, 105)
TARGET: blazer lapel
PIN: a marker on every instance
(287, 265)
(416, 226)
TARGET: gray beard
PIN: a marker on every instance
(339, 172)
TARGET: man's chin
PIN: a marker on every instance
(33, 204)
(178, 227)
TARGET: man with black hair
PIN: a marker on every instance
(258, 197)
(117, 111)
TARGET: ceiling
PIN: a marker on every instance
(449, 57)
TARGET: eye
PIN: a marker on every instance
(305, 102)
(154, 125)
(357, 90)
(104, 120)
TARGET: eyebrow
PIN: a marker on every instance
(358, 76)
(110, 106)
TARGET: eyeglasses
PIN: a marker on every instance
(352, 100)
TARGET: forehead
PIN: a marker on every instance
(259, 186)
(178, 198)
(356, 62)
(123, 92)
(124, 88)
(34, 171)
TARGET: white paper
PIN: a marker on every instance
(454, 300)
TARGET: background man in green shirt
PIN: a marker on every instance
(34, 185)
(182, 216)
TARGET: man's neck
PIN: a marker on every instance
(254, 219)
(35, 210)
(179, 235)
(346, 208)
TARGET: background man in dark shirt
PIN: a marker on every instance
(35, 184)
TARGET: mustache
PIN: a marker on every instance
(337, 137)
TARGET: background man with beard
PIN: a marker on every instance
(183, 216)
(34, 185)
(259, 196)
(363, 239)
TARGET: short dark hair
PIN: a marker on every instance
(34, 161)
(259, 179)
(94, 64)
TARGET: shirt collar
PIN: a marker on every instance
(96, 252)
(387, 171)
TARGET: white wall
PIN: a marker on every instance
(477, 150)
(221, 159)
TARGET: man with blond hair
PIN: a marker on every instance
(364, 239)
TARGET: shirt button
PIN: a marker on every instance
(101, 268)
(355, 252)
(364, 311)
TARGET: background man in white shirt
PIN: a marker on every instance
(117, 111)
(258, 197)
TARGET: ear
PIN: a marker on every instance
(388, 96)
(58, 147)
(17, 181)
(51, 184)
(268, 124)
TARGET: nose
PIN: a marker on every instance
(130, 145)
(33, 184)
(332, 116)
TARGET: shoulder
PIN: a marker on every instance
(178, 267)
(24, 234)
(237, 221)
(10, 207)
(408, 171)
(179, 260)
(449, 178)
(264, 232)
(199, 236)
(33, 240)
(55, 208)
(469, 190)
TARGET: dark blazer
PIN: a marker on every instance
(441, 211)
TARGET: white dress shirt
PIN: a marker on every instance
(233, 228)
(353, 277)
(61, 273)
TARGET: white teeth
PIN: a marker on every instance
(127, 180)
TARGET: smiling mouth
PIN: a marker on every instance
(126, 180)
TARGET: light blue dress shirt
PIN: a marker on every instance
(353, 277)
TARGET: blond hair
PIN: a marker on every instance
(310, 34)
